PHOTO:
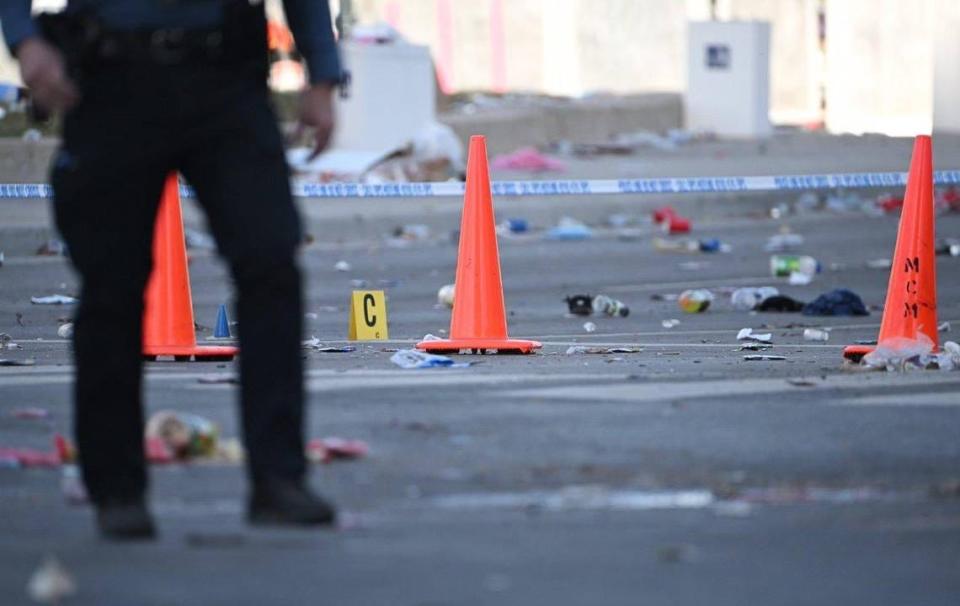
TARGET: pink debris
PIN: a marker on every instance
(30, 413)
(528, 159)
(325, 450)
(157, 451)
(27, 457)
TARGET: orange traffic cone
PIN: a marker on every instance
(910, 312)
(479, 321)
(168, 328)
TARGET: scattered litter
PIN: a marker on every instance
(755, 346)
(889, 203)
(603, 304)
(528, 159)
(514, 226)
(431, 337)
(582, 349)
(71, 485)
(670, 222)
(186, 435)
(695, 301)
(24, 362)
(801, 383)
(28, 457)
(325, 450)
(6, 342)
(661, 214)
(226, 379)
(688, 246)
(580, 497)
(780, 303)
(446, 295)
(676, 225)
(580, 305)
(763, 358)
(670, 323)
(52, 248)
(900, 353)
(947, 247)
(30, 413)
(198, 240)
(412, 232)
(815, 334)
(342, 266)
(569, 228)
(411, 358)
(785, 266)
(784, 242)
(798, 278)
(747, 334)
(230, 450)
(65, 331)
(1, 258)
(943, 327)
(51, 583)
(314, 344)
(589, 327)
(839, 302)
(878, 264)
(746, 299)
(618, 220)
(54, 300)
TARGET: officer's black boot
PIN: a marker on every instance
(288, 503)
(125, 520)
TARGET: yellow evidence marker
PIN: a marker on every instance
(368, 316)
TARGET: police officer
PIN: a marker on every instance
(148, 87)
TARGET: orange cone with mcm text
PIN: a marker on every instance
(479, 321)
(910, 313)
(168, 328)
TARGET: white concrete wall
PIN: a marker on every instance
(946, 83)
(880, 66)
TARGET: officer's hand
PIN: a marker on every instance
(45, 74)
(316, 112)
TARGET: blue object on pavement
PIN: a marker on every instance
(839, 302)
(222, 328)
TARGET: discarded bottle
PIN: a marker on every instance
(782, 266)
(186, 435)
(603, 304)
(446, 295)
(815, 334)
(747, 299)
(695, 301)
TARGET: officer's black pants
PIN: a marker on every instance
(214, 124)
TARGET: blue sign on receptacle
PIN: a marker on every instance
(718, 56)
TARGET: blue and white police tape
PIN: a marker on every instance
(573, 187)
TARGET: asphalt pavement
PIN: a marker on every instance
(675, 473)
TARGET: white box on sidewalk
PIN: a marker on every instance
(728, 78)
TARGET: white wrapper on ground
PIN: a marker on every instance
(446, 295)
(898, 353)
(51, 583)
